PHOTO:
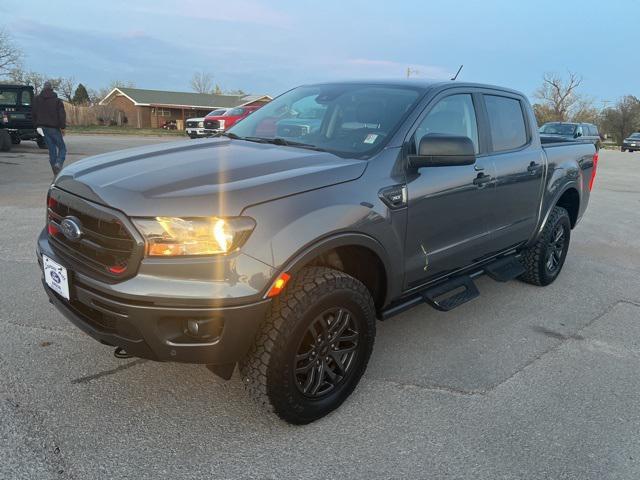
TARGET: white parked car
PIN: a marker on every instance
(195, 126)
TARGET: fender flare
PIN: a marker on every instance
(342, 239)
(553, 203)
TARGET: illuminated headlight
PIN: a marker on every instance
(172, 236)
(200, 124)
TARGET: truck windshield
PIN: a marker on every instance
(8, 97)
(345, 119)
(564, 129)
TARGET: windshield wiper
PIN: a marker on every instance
(283, 142)
(228, 134)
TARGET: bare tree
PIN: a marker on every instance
(121, 84)
(559, 95)
(622, 119)
(585, 111)
(543, 113)
(10, 54)
(202, 82)
(67, 88)
(35, 79)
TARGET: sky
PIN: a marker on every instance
(267, 47)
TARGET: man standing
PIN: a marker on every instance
(49, 114)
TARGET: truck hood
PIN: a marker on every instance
(206, 177)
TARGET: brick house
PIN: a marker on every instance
(140, 108)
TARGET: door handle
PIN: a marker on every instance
(478, 168)
(533, 167)
(482, 179)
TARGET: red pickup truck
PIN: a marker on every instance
(219, 123)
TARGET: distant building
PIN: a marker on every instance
(140, 108)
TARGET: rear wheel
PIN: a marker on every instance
(15, 140)
(543, 261)
(313, 346)
(5, 141)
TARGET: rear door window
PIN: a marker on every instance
(25, 98)
(506, 123)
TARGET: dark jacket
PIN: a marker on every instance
(48, 110)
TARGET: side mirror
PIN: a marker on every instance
(439, 150)
(578, 134)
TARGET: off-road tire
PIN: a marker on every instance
(268, 369)
(536, 256)
(5, 141)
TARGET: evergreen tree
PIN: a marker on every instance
(81, 96)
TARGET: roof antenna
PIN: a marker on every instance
(457, 73)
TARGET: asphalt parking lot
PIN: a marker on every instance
(524, 382)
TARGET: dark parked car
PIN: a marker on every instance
(277, 254)
(631, 143)
(16, 122)
(582, 132)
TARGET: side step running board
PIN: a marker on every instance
(458, 290)
(505, 269)
(451, 294)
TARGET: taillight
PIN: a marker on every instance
(593, 170)
(52, 229)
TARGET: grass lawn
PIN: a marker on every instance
(153, 132)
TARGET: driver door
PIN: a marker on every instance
(448, 206)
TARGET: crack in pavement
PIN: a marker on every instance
(562, 339)
(106, 373)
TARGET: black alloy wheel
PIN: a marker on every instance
(555, 251)
(326, 353)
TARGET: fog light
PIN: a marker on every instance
(203, 328)
(193, 327)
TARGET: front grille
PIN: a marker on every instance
(212, 124)
(107, 247)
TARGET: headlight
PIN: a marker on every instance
(172, 236)
(221, 123)
(200, 124)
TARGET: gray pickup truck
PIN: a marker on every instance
(278, 253)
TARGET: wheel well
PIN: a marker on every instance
(359, 262)
(570, 201)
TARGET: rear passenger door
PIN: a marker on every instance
(519, 166)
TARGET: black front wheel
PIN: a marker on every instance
(5, 141)
(543, 260)
(313, 347)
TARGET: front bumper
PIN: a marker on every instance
(631, 146)
(150, 327)
(196, 132)
(23, 133)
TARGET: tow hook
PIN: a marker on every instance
(120, 352)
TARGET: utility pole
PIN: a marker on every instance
(412, 71)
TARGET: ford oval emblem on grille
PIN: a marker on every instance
(70, 227)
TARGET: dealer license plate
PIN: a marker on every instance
(56, 277)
